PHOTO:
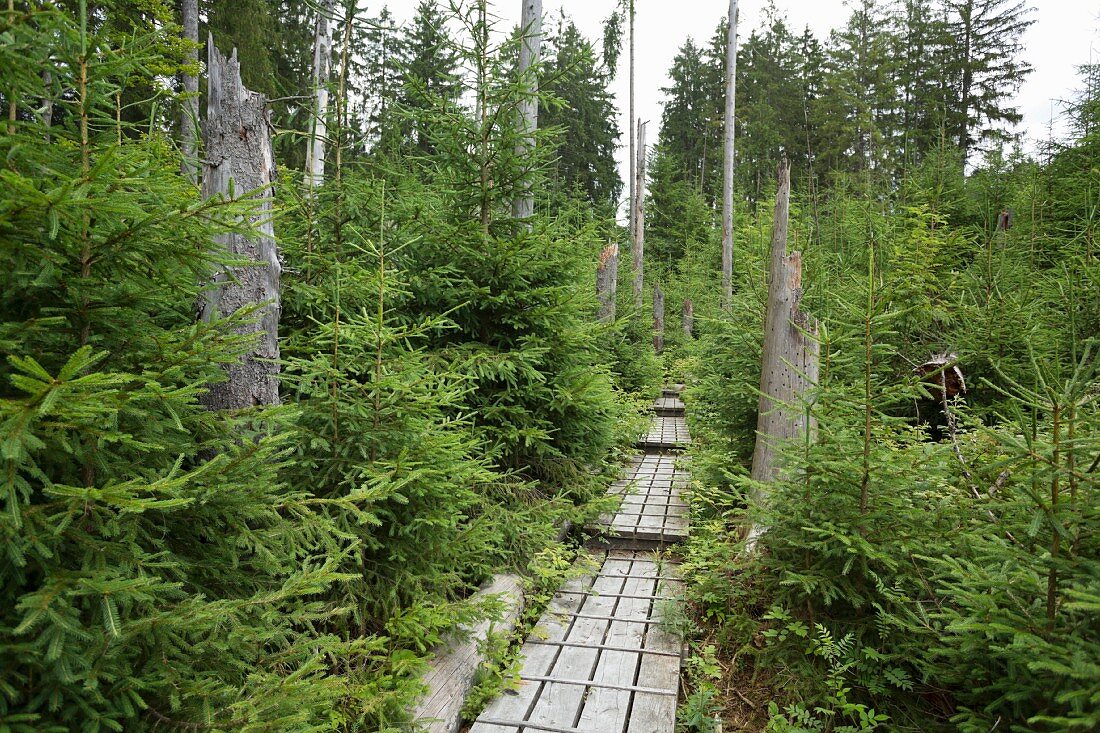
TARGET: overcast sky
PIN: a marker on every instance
(1063, 37)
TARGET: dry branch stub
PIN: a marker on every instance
(239, 165)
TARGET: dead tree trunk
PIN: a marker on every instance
(728, 160)
(523, 206)
(789, 365)
(687, 318)
(633, 154)
(322, 68)
(239, 163)
(607, 280)
(658, 319)
(189, 110)
(639, 219)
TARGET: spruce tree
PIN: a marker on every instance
(582, 110)
(984, 68)
(156, 571)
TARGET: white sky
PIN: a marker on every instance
(1063, 37)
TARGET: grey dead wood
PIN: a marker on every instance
(638, 205)
(607, 281)
(728, 159)
(322, 69)
(658, 319)
(239, 164)
(523, 206)
(687, 317)
(189, 109)
(453, 670)
(789, 364)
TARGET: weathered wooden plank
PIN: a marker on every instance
(455, 665)
(606, 708)
(650, 713)
(538, 659)
(560, 702)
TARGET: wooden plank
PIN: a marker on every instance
(560, 702)
(606, 708)
(537, 660)
(657, 713)
(452, 672)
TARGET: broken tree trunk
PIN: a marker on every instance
(658, 319)
(639, 219)
(189, 110)
(523, 206)
(728, 160)
(239, 164)
(687, 318)
(789, 366)
(607, 280)
(322, 68)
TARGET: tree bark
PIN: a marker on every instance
(189, 110)
(322, 69)
(658, 319)
(728, 159)
(789, 365)
(523, 206)
(633, 160)
(607, 281)
(639, 219)
(687, 318)
(239, 164)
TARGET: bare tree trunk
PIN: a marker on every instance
(658, 319)
(189, 110)
(728, 160)
(322, 69)
(531, 26)
(607, 280)
(639, 218)
(790, 360)
(633, 160)
(687, 318)
(239, 162)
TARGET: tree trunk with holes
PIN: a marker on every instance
(789, 366)
(322, 70)
(523, 206)
(239, 164)
(607, 281)
(189, 110)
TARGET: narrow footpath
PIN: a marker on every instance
(600, 660)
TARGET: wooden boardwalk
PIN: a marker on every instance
(602, 659)
(652, 508)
